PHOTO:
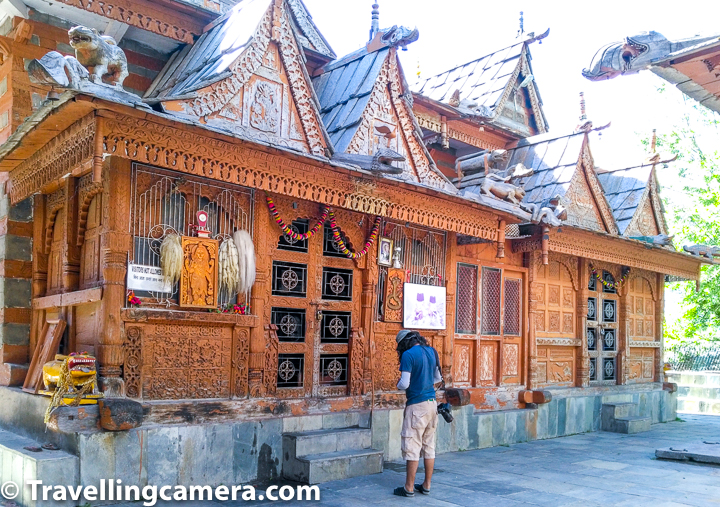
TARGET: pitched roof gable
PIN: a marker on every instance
(633, 196)
(364, 107)
(495, 86)
(246, 74)
(563, 166)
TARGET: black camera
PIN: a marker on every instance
(444, 410)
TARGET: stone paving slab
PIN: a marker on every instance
(701, 453)
(586, 470)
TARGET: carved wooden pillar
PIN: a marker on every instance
(71, 250)
(40, 265)
(623, 343)
(369, 302)
(532, 261)
(583, 362)
(659, 334)
(260, 296)
(114, 247)
(451, 276)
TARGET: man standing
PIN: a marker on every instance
(420, 371)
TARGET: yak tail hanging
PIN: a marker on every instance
(246, 260)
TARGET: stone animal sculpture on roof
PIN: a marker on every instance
(549, 212)
(97, 58)
(659, 240)
(500, 187)
(393, 37)
(709, 252)
(633, 54)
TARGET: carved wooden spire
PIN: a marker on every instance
(522, 26)
(375, 26)
(583, 114)
(653, 143)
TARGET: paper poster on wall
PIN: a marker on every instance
(424, 307)
(147, 278)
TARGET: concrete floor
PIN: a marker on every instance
(587, 470)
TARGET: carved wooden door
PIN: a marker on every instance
(315, 304)
(602, 330)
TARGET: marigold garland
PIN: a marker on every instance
(287, 230)
(341, 244)
(610, 285)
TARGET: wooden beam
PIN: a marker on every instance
(80, 297)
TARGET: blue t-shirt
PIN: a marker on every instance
(421, 363)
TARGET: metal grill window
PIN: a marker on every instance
(165, 202)
(290, 370)
(592, 284)
(591, 338)
(592, 309)
(337, 284)
(512, 306)
(333, 370)
(608, 371)
(289, 279)
(491, 301)
(330, 247)
(466, 322)
(609, 310)
(421, 252)
(610, 279)
(288, 243)
(290, 323)
(593, 368)
(609, 341)
(335, 327)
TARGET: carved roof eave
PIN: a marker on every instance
(619, 250)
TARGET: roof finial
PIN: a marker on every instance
(375, 26)
(653, 143)
(583, 115)
(522, 27)
(418, 70)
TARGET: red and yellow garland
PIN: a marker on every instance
(341, 244)
(610, 285)
(336, 231)
(287, 230)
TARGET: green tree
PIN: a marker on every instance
(691, 197)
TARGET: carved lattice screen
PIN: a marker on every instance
(466, 319)
(164, 202)
(512, 305)
(491, 301)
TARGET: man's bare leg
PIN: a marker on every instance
(429, 465)
(412, 467)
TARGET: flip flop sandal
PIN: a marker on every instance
(420, 489)
(32, 448)
(50, 447)
(401, 492)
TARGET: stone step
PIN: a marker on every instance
(323, 441)
(52, 467)
(332, 466)
(616, 410)
(631, 425)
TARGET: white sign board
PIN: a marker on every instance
(147, 278)
(424, 306)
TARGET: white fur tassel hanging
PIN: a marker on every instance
(171, 258)
(228, 267)
(246, 258)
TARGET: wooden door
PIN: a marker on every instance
(315, 303)
(602, 330)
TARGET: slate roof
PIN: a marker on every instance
(624, 190)
(344, 91)
(209, 59)
(554, 160)
(483, 80)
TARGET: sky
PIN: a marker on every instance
(453, 32)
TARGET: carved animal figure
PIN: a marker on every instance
(100, 55)
(54, 69)
(499, 187)
(660, 239)
(80, 366)
(383, 159)
(634, 54)
(400, 36)
(709, 252)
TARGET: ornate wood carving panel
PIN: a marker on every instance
(641, 320)
(487, 363)
(90, 250)
(183, 361)
(554, 293)
(394, 295)
(556, 365)
(198, 283)
(464, 363)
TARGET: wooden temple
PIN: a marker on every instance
(371, 205)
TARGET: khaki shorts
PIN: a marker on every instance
(418, 431)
